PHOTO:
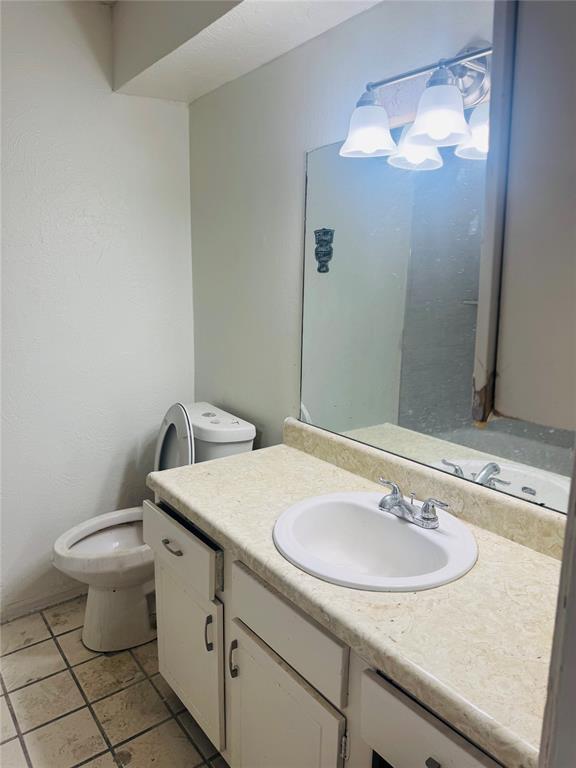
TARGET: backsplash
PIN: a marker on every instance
(528, 524)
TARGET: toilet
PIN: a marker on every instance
(108, 552)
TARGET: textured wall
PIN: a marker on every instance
(97, 284)
(248, 144)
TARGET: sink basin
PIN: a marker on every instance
(345, 538)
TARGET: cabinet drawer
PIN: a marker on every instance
(307, 647)
(191, 556)
(406, 735)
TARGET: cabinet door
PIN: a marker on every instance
(191, 651)
(277, 719)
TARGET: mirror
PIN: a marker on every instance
(393, 291)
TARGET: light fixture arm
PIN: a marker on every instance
(462, 58)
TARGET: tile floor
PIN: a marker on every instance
(63, 706)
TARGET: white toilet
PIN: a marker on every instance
(108, 552)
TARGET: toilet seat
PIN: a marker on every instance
(101, 565)
(175, 444)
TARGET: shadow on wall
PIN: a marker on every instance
(98, 38)
(137, 467)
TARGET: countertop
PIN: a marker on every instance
(476, 651)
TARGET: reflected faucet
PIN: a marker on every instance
(395, 503)
(487, 476)
(456, 468)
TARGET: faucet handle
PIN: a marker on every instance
(395, 489)
(428, 511)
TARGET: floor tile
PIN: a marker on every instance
(31, 664)
(38, 703)
(167, 694)
(104, 761)
(107, 674)
(65, 742)
(66, 616)
(7, 729)
(147, 655)
(163, 746)
(19, 633)
(197, 735)
(74, 649)
(127, 713)
(12, 756)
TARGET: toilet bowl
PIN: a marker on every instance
(108, 553)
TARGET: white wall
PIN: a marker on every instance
(146, 30)
(97, 284)
(248, 142)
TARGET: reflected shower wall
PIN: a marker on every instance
(442, 297)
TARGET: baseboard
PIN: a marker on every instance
(24, 607)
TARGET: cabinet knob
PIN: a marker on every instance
(431, 763)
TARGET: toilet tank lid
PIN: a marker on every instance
(213, 425)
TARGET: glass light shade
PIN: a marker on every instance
(476, 146)
(369, 133)
(440, 120)
(415, 157)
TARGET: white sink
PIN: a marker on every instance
(347, 539)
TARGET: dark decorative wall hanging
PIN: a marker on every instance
(323, 250)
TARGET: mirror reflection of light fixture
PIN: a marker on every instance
(440, 120)
(414, 157)
(476, 146)
(369, 132)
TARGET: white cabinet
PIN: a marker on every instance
(190, 621)
(277, 719)
(406, 735)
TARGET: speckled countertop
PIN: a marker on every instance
(475, 651)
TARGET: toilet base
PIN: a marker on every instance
(117, 619)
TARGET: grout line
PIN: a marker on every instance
(25, 647)
(16, 724)
(143, 732)
(176, 716)
(89, 706)
(110, 748)
(95, 757)
(54, 720)
(39, 680)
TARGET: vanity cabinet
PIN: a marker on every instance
(283, 691)
(277, 717)
(190, 618)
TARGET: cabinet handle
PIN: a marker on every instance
(209, 646)
(431, 763)
(233, 668)
(175, 552)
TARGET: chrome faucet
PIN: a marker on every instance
(487, 476)
(456, 468)
(395, 503)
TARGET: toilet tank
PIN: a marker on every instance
(218, 433)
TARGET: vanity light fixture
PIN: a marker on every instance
(476, 146)
(369, 132)
(414, 157)
(456, 84)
